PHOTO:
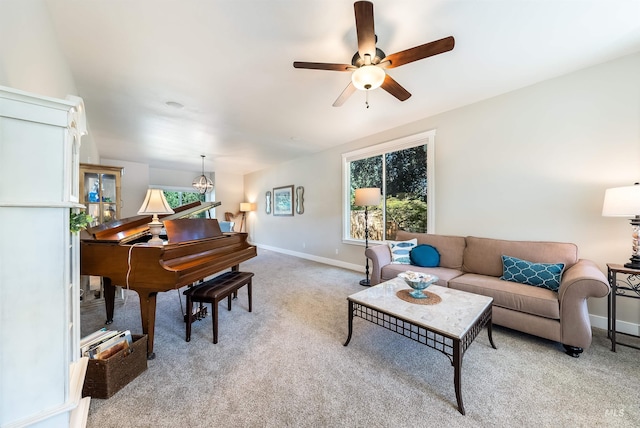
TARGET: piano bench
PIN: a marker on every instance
(213, 291)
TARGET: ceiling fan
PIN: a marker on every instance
(368, 65)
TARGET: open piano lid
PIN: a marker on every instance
(191, 229)
(133, 228)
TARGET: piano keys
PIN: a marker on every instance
(196, 249)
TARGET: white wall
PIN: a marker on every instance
(138, 177)
(133, 186)
(172, 178)
(31, 60)
(530, 164)
(229, 189)
(316, 232)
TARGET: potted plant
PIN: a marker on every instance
(79, 221)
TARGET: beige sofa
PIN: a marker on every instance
(475, 265)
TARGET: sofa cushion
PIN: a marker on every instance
(424, 255)
(451, 248)
(444, 274)
(484, 255)
(511, 295)
(545, 275)
(400, 251)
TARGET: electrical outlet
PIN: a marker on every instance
(304, 245)
(336, 251)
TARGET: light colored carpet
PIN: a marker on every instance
(284, 365)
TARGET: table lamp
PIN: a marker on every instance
(625, 202)
(365, 197)
(155, 203)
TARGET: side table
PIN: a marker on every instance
(619, 288)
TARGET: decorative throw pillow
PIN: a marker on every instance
(545, 275)
(400, 251)
(425, 256)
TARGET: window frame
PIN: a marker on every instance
(428, 138)
(208, 197)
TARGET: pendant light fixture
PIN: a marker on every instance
(202, 184)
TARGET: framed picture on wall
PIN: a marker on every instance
(267, 202)
(283, 200)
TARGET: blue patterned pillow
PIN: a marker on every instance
(545, 275)
(400, 251)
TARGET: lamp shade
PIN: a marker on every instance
(155, 203)
(622, 201)
(368, 77)
(246, 206)
(367, 196)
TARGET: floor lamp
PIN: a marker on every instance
(366, 197)
(245, 207)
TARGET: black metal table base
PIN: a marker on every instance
(619, 288)
(453, 347)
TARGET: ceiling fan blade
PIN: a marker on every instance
(323, 66)
(394, 88)
(365, 29)
(348, 91)
(420, 52)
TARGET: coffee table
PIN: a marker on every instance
(448, 326)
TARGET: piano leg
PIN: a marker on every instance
(148, 316)
(109, 298)
(147, 312)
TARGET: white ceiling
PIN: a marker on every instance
(245, 106)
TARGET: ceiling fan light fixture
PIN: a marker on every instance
(368, 77)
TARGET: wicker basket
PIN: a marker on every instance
(106, 377)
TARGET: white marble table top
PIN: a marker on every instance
(453, 316)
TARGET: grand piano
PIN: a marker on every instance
(196, 249)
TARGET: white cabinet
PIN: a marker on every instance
(41, 374)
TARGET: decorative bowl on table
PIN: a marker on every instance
(418, 281)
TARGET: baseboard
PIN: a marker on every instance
(325, 260)
(621, 326)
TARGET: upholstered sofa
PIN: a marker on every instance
(476, 264)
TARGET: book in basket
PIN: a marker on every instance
(104, 349)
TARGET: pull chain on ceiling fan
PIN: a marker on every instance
(369, 63)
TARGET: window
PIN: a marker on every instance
(177, 197)
(403, 169)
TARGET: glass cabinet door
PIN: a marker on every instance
(108, 197)
(101, 192)
(91, 196)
